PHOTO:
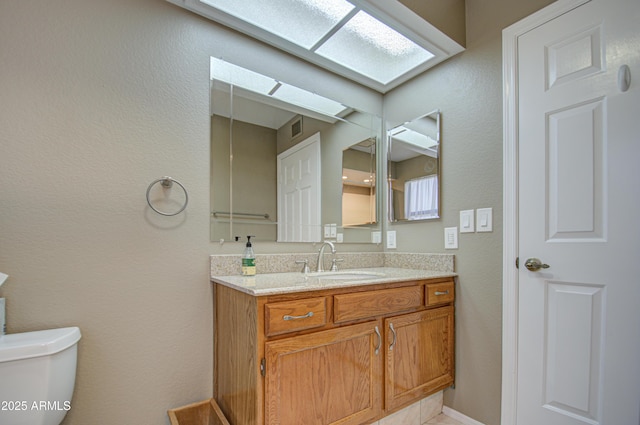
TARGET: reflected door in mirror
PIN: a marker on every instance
(299, 198)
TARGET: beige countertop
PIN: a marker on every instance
(282, 283)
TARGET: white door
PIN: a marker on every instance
(299, 192)
(578, 353)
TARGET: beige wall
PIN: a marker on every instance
(310, 126)
(100, 98)
(448, 16)
(468, 90)
(254, 180)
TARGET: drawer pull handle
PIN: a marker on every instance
(377, 331)
(393, 332)
(306, 316)
(442, 292)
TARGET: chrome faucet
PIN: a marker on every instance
(320, 267)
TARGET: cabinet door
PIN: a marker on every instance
(328, 377)
(420, 355)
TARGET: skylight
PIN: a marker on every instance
(303, 22)
(378, 43)
(371, 48)
(266, 86)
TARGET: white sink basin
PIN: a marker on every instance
(347, 275)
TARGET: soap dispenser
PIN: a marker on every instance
(248, 260)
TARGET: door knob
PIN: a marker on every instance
(534, 264)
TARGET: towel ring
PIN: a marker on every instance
(167, 182)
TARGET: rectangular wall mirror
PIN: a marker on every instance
(278, 155)
(359, 206)
(414, 169)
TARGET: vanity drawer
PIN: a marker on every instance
(295, 315)
(440, 293)
(361, 305)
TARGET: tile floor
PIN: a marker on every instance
(425, 412)
(443, 420)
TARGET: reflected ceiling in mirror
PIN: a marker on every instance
(414, 169)
(245, 79)
(255, 119)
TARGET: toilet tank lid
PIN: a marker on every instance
(26, 345)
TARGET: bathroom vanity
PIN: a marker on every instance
(347, 348)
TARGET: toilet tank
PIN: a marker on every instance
(37, 376)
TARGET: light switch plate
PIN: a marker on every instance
(451, 238)
(333, 230)
(467, 222)
(327, 230)
(391, 239)
(376, 237)
(484, 219)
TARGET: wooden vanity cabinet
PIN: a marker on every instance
(419, 356)
(346, 356)
(326, 377)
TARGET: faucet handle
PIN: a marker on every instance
(334, 266)
(305, 267)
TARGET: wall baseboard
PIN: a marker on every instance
(454, 414)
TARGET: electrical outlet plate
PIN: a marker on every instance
(484, 219)
(451, 238)
(391, 239)
(467, 222)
